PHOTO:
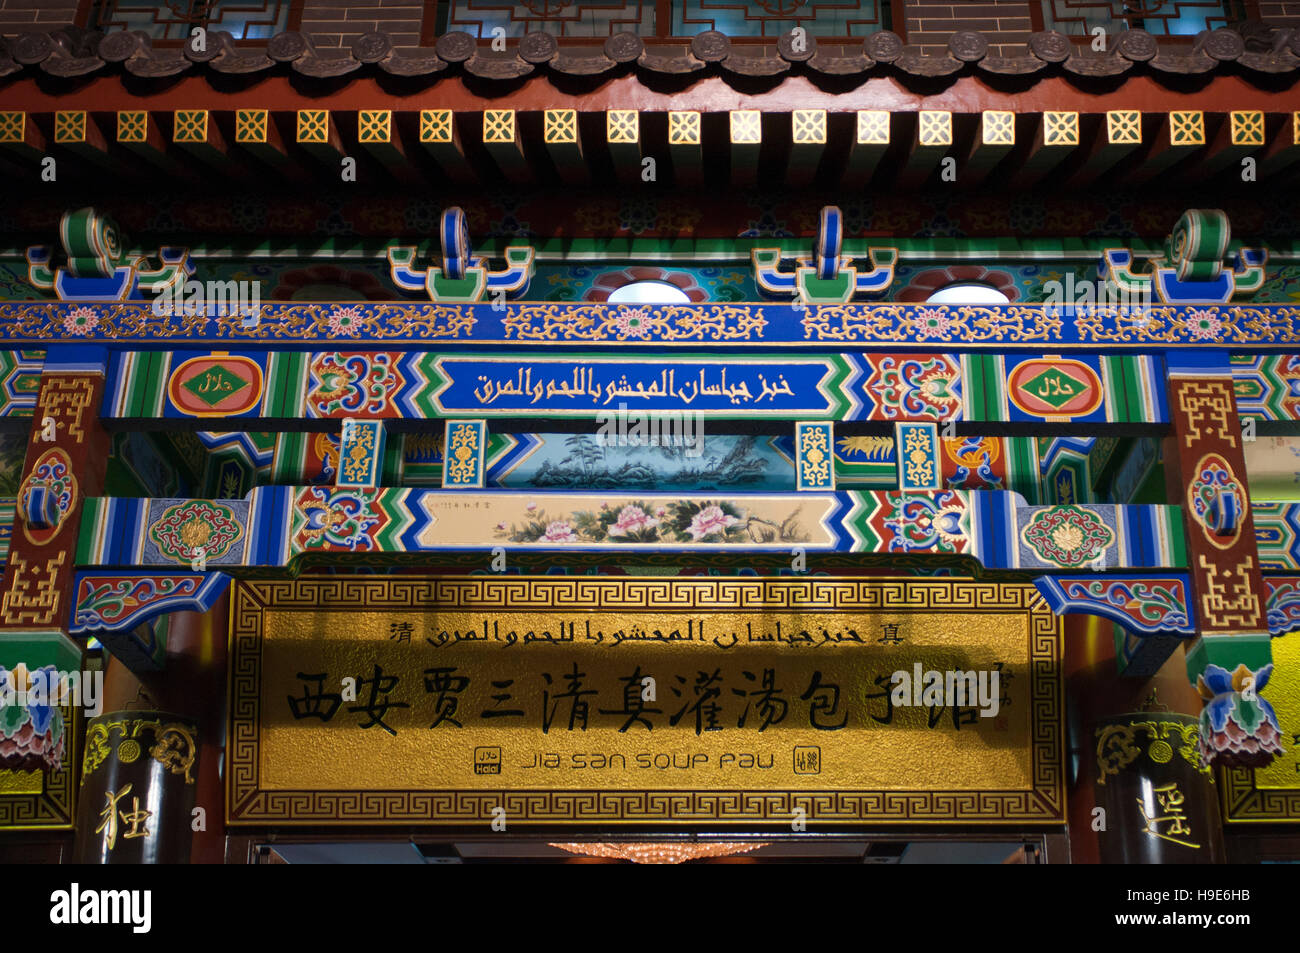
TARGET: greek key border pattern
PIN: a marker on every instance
(246, 803)
(1245, 803)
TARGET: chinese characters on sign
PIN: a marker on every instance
(1169, 801)
(405, 698)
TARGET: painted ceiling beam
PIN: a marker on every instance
(276, 527)
(854, 326)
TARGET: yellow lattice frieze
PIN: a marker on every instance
(1124, 127)
(70, 125)
(746, 126)
(13, 126)
(1060, 128)
(622, 125)
(935, 128)
(132, 125)
(1228, 596)
(33, 597)
(1187, 127)
(998, 127)
(683, 128)
(1210, 411)
(1247, 127)
(251, 125)
(873, 127)
(498, 125)
(435, 125)
(375, 125)
(65, 399)
(560, 126)
(313, 126)
(808, 126)
(191, 125)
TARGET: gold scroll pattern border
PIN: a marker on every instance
(55, 807)
(1243, 802)
(247, 803)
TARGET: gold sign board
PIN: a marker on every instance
(1272, 794)
(692, 702)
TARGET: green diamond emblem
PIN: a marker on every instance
(1054, 387)
(215, 384)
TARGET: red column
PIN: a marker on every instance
(66, 456)
(1206, 471)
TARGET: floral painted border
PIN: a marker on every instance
(636, 521)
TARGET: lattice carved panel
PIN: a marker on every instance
(1158, 17)
(174, 19)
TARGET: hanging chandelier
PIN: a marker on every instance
(663, 853)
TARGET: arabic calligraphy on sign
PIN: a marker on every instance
(721, 636)
(1055, 388)
(547, 690)
(545, 386)
(399, 700)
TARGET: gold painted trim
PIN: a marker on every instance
(1124, 127)
(622, 126)
(248, 803)
(190, 125)
(313, 126)
(560, 127)
(746, 127)
(1187, 127)
(998, 127)
(1247, 127)
(1061, 128)
(375, 126)
(132, 125)
(684, 127)
(808, 126)
(13, 126)
(934, 128)
(499, 125)
(1244, 803)
(873, 127)
(70, 126)
(251, 125)
(436, 125)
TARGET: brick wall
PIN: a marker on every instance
(23, 16)
(1006, 23)
(336, 23)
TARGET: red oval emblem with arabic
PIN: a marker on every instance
(217, 385)
(1055, 388)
